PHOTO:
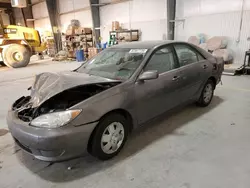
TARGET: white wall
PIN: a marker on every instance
(5, 17)
(43, 25)
(41, 16)
(215, 18)
(18, 16)
(69, 5)
(84, 16)
(40, 10)
(149, 16)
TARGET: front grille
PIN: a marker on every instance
(23, 146)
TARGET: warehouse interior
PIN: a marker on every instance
(190, 147)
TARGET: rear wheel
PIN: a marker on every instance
(109, 137)
(16, 56)
(207, 94)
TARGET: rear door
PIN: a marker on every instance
(194, 68)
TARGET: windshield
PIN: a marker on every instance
(117, 64)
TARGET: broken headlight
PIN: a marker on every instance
(55, 119)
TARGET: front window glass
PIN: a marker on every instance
(118, 64)
(162, 61)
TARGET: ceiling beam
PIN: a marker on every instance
(53, 8)
(95, 19)
(171, 8)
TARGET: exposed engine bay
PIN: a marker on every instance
(59, 102)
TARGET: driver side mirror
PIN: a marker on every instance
(149, 75)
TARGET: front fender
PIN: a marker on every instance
(94, 109)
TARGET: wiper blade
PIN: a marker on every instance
(124, 68)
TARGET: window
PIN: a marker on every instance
(118, 64)
(187, 55)
(162, 61)
(200, 57)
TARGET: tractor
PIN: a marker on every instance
(18, 44)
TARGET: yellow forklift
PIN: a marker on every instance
(18, 44)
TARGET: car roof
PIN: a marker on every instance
(143, 44)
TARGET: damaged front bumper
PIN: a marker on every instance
(50, 144)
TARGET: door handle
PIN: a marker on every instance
(205, 66)
(175, 78)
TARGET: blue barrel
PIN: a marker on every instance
(105, 45)
(80, 55)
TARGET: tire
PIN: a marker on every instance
(206, 98)
(100, 143)
(2, 64)
(16, 56)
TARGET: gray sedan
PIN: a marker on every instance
(95, 107)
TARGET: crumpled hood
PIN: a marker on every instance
(48, 84)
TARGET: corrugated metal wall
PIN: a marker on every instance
(215, 18)
(5, 17)
(150, 16)
(41, 16)
(68, 10)
(18, 16)
(75, 9)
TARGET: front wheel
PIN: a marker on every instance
(16, 55)
(109, 136)
(207, 94)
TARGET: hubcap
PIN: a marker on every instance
(208, 93)
(112, 138)
(17, 56)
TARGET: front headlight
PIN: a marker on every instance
(55, 119)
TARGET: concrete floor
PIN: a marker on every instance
(193, 148)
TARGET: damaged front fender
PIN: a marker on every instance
(57, 92)
(47, 84)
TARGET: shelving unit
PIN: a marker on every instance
(74, 42)
(120, 36)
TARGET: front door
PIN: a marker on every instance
(153, 97)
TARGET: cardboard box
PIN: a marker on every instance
(115, 25)
(78, 31)
(134, 37)
(92, 52)
(83, 30)
(87, 30)
(70, 30)
(71, 54)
